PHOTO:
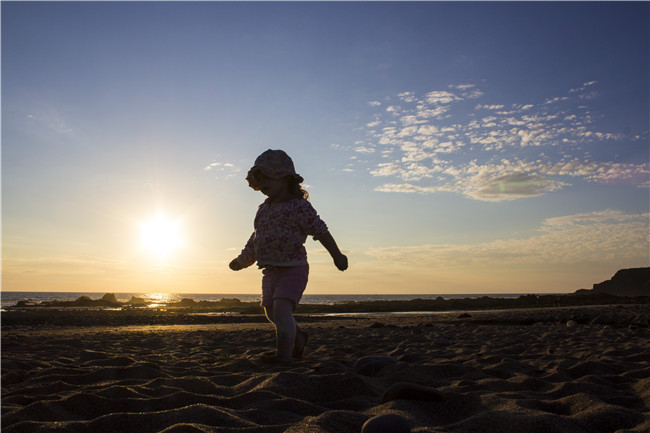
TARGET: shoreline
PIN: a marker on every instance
(53, 317)
(109, 302)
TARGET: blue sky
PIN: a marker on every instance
(450, 147)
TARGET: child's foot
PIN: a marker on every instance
(300, 343)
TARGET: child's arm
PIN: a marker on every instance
(340, 260)
(246, 258)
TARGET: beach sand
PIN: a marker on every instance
(534, 371)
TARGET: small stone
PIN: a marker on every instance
(388, 423)
(571, 324)
(465, 316)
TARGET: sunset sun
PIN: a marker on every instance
(160, 236)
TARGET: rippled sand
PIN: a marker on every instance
(552, 370)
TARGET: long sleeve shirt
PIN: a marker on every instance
(281, 230)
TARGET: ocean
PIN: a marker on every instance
(11, 298)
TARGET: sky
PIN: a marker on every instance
(451, 148)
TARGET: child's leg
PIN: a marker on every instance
(285, 326)
(301, 336)
(300, 342)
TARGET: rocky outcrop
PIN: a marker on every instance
(110, 298)
(626, 282)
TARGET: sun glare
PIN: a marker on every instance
(161, 236)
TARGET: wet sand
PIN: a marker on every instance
(538, 370)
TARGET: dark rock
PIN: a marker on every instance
(411, 391)
(83, 301)
(626, 282)
(188, 302)
(465, 316)
(372, 365)
(110, 298)
(388, 423)
(25, 303)
(137, 301)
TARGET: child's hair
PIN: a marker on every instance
(276, 164)
(296, 189)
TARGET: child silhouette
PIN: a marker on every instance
(282, 224)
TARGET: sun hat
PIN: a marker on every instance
(274, 164)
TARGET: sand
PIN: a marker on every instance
(533, 371)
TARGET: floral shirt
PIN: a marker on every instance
(281, 230)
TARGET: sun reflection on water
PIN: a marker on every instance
(157, 300)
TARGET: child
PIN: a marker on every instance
(282, 224)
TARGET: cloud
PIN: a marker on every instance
(489, 107)
(386, 169)
(441, 141)
(461, 86)
(507, 180)
(488, 187)
(597, 237)
(363, 149)
(556, 99)
(440, 97)
(63, 265)
(583, 87)
(406, 96)
(491, 182)
(607, 216)
(223, 169)
(473, 94)
(49, 121)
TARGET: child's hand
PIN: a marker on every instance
(236, 265)
(341, 262)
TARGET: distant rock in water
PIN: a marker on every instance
(135, 301)
(626, 282)
(83, 301)
(110, 298)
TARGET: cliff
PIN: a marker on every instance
(626, 282)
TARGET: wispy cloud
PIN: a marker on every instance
(599, 237)
(49, 121)
(507, 180)
(364, 149)
(442, 140)
(222, 169)
(64, 265)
